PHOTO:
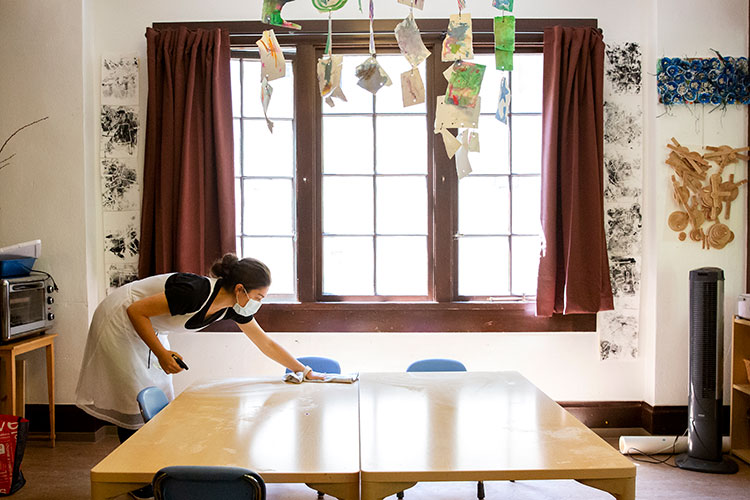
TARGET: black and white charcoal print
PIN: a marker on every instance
(120, 79)
(623, 177)
(119, 126)
(121, 236)
(622, 126)
(623, 226)
(121, 274)
(621, 341)
(623, 67)
(120, 187)
(624, 274)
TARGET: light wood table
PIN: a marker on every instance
(473, 426)
(12, 405)
(306, 433)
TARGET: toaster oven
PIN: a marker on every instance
(25, 306)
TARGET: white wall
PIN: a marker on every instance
(565, 365)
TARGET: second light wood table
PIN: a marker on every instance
(473, 426)
(288, 433)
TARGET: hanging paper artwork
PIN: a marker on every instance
(718, 81)
(417, 4)
(505, 42)
(465, 83)
(372, 76)
(503, 102)
(474, 142)
(450, 116)
(458, 41)
(463, 167)
(265, 98)
(329, 78)
(506, 5)
(410, 41)
(328, 5)
(412, 88)
(272, 61)
(451, 143)
(271, 14)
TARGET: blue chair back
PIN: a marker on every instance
(320, 364)
(436, 365)
(194, 482)
(151, 400)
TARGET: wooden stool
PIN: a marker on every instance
(8, 353)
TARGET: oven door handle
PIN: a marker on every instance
(26, 286)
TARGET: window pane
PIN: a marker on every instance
(237, 206)
(483, 264)
(401, 205)
(401, 265)
(268, 206)
(401, 144)
(389, 99)
(268, 154)
(278, 255)
(237, 148)
(347, 144)
(282, 99)
(347, 265)
(527, 83)
(526, 251)
(347, 205)
(483, 205)
(234, 68)
(494, 150)
(527, 144)
(358, 100)
(526, 205)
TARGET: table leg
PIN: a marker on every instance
(51, 390)
(9, 389)
(377, 491)
(342, 491)
(104, 491)
(621, 489)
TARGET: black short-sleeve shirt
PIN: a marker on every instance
(187, 292)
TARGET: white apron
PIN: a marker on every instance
(115, 364)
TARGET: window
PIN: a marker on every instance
(357, 209)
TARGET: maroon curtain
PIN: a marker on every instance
(574, 269)
(187, 217)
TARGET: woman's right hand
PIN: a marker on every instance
(168, 363)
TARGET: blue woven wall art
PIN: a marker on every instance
(717, 80)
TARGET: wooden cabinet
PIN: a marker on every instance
(740, 400)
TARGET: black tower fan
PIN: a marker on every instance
(706, 374)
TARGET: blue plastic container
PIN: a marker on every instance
(15, 265)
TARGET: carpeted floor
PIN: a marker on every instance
(62, 473)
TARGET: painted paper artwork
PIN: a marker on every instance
(458, 41)
(266, 91)
(328, 5)
(503, 60)
(465, 84)
(417, 4)
(271, 14)
(120, 274)
(329, 78)
(120, 79)
(718, 81)
(450, 116)
(505, 33)
(412, 87)
(119, 129)
(506, 5)
(272, 61)
(623, 67)
(450, 142)
(372, 76)
(410, 41)
(473, 141)
(619, 334)
(120, 187)
(503, 101)
(121, 236)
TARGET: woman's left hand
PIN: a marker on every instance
(315, 376)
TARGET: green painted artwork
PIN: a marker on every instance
(465, 83)
(505, 33)
(503, 60)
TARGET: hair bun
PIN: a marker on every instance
(222, 268)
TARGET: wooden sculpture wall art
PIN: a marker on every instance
(704, 198)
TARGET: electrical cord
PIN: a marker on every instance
(54, 285)
(652, 456)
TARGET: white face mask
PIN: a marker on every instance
(249, 309)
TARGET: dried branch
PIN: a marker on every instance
(14, 133)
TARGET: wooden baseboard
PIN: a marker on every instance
(73, 424)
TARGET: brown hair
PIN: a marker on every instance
(248, 272)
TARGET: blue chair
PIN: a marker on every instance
(194, 482)
(151, 400)
(320, 364)
(441, 365)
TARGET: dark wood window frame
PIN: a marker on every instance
(442, 312)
